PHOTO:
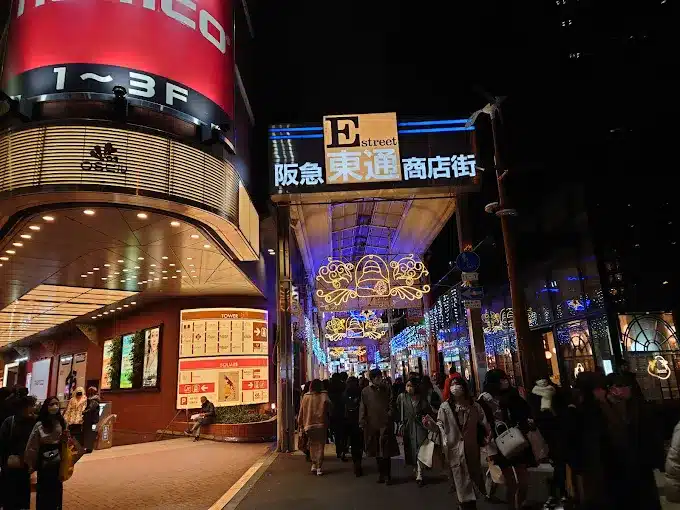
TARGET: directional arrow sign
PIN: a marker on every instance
(472, 293)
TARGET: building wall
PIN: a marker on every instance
(140, 412)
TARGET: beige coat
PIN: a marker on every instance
(315, 410)
(461, 448)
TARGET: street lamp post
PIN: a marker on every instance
(526, 353)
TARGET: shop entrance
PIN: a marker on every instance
(576, 349)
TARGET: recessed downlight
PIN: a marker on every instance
(164, 258)
(34, 228)
(175, 223)
(174, 276)
(104, 278)
(189, 258)
(178, 270)
(195, 236)
(95, 269)
(140, 258)
(134, 303)
(83, 276)
(164, 271)
(25, 236)
(88, 212)
(48, 218)
(136, 267)
(125, 270)
(11, 252)
(116, 273)
(171, 265)
(165, 277)
(107, 265)
(120, 261)
(125, 306)
(152, 265)
(4, 258)
(206, 246)
(142, 216)
(90, 272)
(18, 245)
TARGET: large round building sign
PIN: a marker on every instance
(177, 54)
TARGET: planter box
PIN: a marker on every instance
(257, 432)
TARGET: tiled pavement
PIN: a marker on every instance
(175, 474)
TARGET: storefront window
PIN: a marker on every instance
(568, 299)
(576, 348)
(71, 374)
(539, 307)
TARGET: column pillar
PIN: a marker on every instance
(284, 358)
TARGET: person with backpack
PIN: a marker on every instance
(15, 478)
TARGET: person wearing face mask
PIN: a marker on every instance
(43, 454)
(74, 414)
(632, 448)
(15, 479)
(463, 428)
(504, 407)
(411, 408)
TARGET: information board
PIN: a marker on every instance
(223, 356)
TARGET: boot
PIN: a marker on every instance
(387, 463)
(357, 469)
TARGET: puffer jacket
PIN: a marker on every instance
(672, 491)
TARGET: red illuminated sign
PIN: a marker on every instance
(177, 53)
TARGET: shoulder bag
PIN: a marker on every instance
(511, 442)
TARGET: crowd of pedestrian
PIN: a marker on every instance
(600, 435)
(39, 445)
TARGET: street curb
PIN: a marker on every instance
(237, 493)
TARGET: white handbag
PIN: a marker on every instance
(511, 442)
(426, 452)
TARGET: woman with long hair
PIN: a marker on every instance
(464, 430)
(412, 407)
(505, 408)
(314, 419)
(43, 454)
(74, 413)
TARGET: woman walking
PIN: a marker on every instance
(464, 426)
(74, 414)
(314, 419)
(90, 419)
(43, 454)
(504, 407)
(412, 407)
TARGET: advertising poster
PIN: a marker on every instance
(126, 366)
(71, 374)
(106, 363)
(224, 380)
(40, 376)
(151, 357)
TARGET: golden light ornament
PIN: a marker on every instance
(372, 277)
(338, 328)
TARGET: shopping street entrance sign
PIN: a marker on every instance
(361, 152)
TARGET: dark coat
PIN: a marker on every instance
(375, 417)
(90, 419)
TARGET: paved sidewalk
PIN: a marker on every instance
(288, 485)
(176, 474)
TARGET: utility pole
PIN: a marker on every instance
(526, 352)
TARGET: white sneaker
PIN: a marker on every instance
(313, 468)
(319, 472)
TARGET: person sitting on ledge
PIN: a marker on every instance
(205, 417)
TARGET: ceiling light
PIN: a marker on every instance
(104, 278)
(175, 223)
(195, 236)
(88, 212)
(174, 277)
(106, 313)
(83, 276)
(191, 265)
(165, 277)
(123, 281)
(206, 246)
(11, 252)
(119, 308)
(107, 265)
(136, 267)
(116, 273)
(153, 265)
(163, 271)
(125, 306)
(171, 265)
(178, 270)
(140, 258)
(48, 218)
(151, 272)
(189, 258)
(134, 303)
(164, 258)
(34, 227)
(156, 279)
(193, 270)
(665, 282)
(25, 236)
(94, 317)
(142, 216)
(120, 261)
(95, 269)
(18, 245)
(125, 270)
(90, 272)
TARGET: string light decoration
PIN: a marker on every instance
(371, 277)
(364, 325)
(313, 342)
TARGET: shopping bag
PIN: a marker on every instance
(426, 452)
(67, 462)
(538, 446)
(303, 441)
(511, 442)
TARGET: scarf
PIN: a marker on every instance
(544, 390)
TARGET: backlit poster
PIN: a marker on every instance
(126, 366)
(40, 377)
(151, 356)
(106, 363)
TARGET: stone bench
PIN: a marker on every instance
(256, 432)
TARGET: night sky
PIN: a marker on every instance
(606, 118)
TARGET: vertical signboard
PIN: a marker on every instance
(126, 366)
(40, 376)
(361, 148)
(151, 356)
(223, 355)
(106, 363)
